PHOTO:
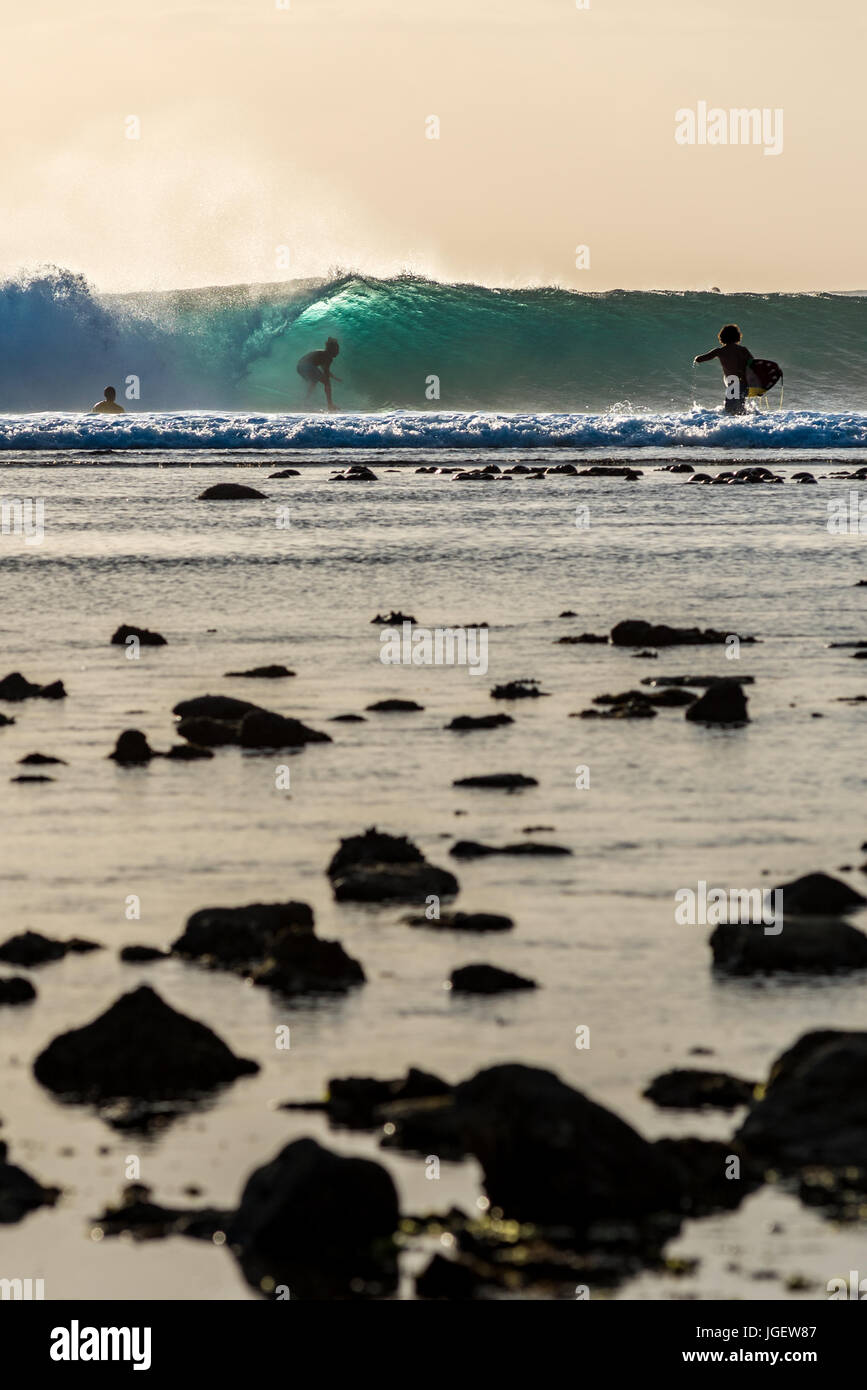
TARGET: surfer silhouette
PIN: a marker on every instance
(108, 405)
(315, 369)
(734, 359)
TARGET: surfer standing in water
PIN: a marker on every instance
(315, 369)
(734, 359)
(108, 405)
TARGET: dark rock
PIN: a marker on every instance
(230, 492)
(633, 709)
(19, 1193)
(818, 945)
(568, 613)
(223, 707)
(30, 948)
(698, 682)
(136, 1215)
(703, 1165)
(5, 721)
(300, 962)
(187, 753)
(286, 473)
(394, 707)
(33, 777)
(145, 637)
(722, 703)
(132, 749)
(140, 1047)
(376, 867)
(392, 619)
(819, 895)
(497, 781)
(487, 979)
(347, 719)
(471, 849)
(589, 638)
(262, 729)
(550, 1155)
(15, 687)
(688, 1088)
(814, 1106)
(203, 732)
(142, 955)
(355, 1101)
(600, 471)
(237, 936)
(356, 474)
(14, 989)
(265, 673)
(803, 478)
(464, 723)
(462, 921)
(635, 632)
(318, 1222)
(41, 760)
(518, 690)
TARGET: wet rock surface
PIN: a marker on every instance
(16, 687)
(497, 781)
(724, 702)
(132, 749)
(462, 921)
(807, 945)
(689, 1088)
(377, 867)
(318, 1223)
(636, 632)
(472, 849)
(15, 989)
(230, 492)
(141, 1048)
(19, 1192)
(466, 723)
(264, 673)
(142, 635)
(487, 979)
(30, 948)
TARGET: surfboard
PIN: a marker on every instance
(762, 374)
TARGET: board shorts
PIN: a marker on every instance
(735, 406)
(308, 371)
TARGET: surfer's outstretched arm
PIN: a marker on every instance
(706, 356)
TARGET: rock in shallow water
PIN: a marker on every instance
(143, 636)
(689, 1088)
(808, 945)
(230, 492)
(635, 632)
(19, 1193)
(16, 687)
(814, 1107)
(30, 948)
(15, 989)
(142, 1048)
(319, 1223)
(487, 979)
(722, 703)
(377, 867)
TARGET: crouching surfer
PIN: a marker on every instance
(315, 369)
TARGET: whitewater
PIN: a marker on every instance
(423, 364)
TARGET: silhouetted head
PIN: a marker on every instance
(332, 347)
(109, 393)
(729, 333)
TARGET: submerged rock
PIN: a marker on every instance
(394, 707)
(203, 732)
(187, 753)
(215, 721)
(138, 1216)
(19, 1193)
(377, 867)
(689, 1088)
(31, 948)
(392, 619)
(583, 638)
(487, 979)
(635, 632)
(724, 702)
(703, 1165)
(16, 687)
(221, 707)
(471, 849)
(262, 729)
(286, 473)
(142, 1048)
(524, 689)
(14, 989)
(814, 1106)
(464, 723)
(497, 781)
(357, 473)
(143, 636)
(461, 921)
(142, 955)
(41, 760)
(355, 1102)
(319, 1223)
(265, 673)
(230, 492)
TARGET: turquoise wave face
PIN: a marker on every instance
(413, 344)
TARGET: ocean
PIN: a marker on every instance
(297, 578)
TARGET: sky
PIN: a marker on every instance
(275, 143)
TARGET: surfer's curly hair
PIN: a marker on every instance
(729, 333)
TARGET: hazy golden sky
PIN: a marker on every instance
(305, 128)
